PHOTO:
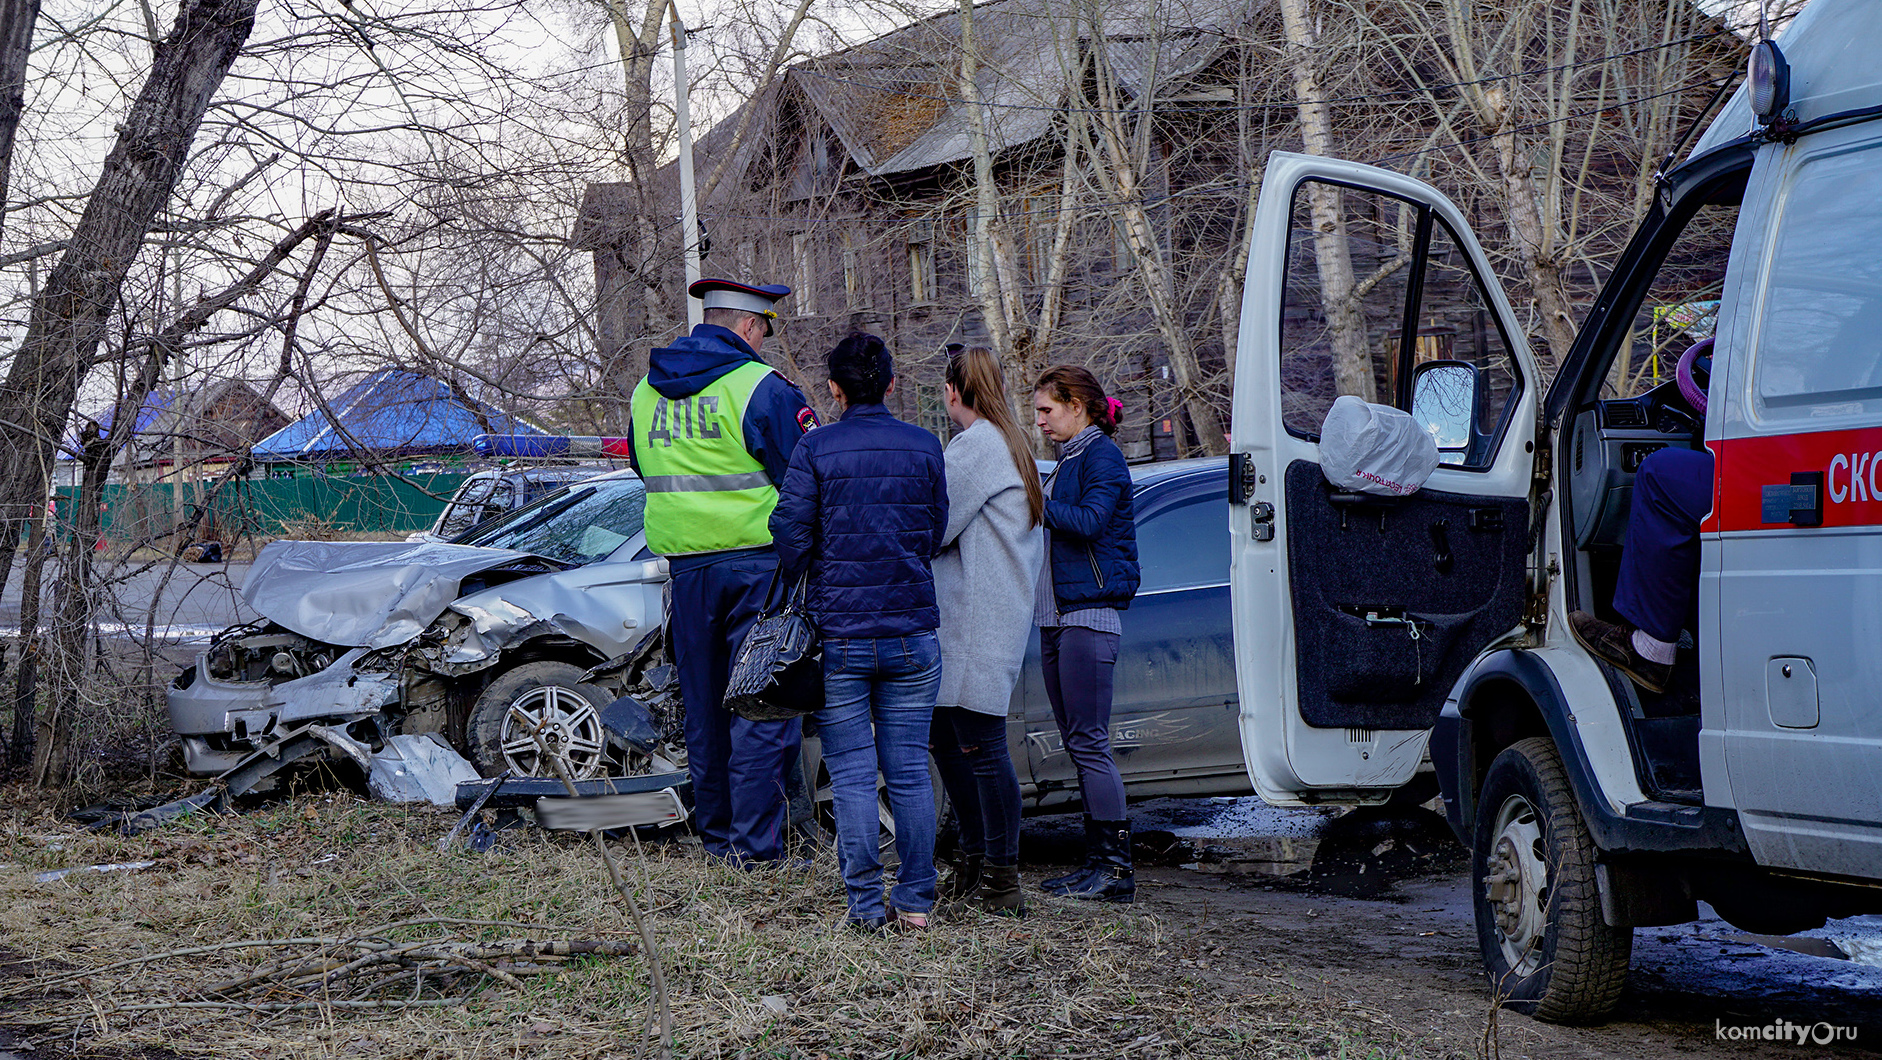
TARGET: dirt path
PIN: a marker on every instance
(1376, 917)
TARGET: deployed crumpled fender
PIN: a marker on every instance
(372, 594)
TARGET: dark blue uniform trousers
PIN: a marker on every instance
(738, 767)
(1658, 588)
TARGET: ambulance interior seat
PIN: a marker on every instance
(1609, 439)
(1605, 451)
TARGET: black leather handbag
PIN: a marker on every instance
(778, 674)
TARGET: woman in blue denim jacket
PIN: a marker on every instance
(1091, 574)
(863, 509)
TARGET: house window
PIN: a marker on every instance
(855, 285)
(931, 410)
(921, 262)
(803, 274)
(1042, 221)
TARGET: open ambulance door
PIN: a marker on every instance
(1356, 614)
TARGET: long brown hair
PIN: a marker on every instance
(1070, 382)
(975, 374)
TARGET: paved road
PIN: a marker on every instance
(191, 600)
(1374, 912)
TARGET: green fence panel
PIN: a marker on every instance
(313, 506)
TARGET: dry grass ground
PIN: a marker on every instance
(758, 963)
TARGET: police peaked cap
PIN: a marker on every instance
(724, 294)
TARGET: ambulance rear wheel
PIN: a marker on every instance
(1546, 949)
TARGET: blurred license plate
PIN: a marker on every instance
(630, 810)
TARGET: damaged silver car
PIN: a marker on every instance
(518, 644)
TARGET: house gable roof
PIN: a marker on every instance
(896, 101)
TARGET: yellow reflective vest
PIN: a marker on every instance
(705, 491)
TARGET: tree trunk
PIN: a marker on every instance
(26, 673)
(636, 43)
(68, 318)
(1346, 324)
(1118, 163)
(987, 286)
(16, 41)
(67, 660)
(1533, 231)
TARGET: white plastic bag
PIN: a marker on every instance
(1375, 449)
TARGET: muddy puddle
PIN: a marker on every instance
(1350, 854)
(1396, 856)
(1363, 853)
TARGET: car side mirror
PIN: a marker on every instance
(1444, 402)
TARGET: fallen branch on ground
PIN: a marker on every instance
(349, 974)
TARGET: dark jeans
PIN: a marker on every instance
(1658, 586)
(738, 767)
(970, 751)
(1078, 666)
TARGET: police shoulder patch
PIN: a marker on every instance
(807, 419)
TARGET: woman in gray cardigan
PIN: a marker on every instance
(993, 549)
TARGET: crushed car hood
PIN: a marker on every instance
(370, 594)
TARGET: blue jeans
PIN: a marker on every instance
(878, 705)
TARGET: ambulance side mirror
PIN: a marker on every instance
(1444, 401)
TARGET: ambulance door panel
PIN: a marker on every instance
(1799, 519)
(1356, 278)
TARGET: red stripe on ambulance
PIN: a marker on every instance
(1850, 462)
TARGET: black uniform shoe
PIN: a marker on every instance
(1111, 880)
(1059, 884)
(1614, 644)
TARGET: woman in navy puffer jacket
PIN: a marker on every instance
(863, 508)
(1091, 574)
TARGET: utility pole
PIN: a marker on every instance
(689, 209)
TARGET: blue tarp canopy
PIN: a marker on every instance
(154, 406)
(392, 412)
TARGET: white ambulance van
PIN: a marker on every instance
(1371, 630)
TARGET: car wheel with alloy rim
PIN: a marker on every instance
(536, 713)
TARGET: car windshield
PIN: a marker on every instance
(576, 524)
(478, 499)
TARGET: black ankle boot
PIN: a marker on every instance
(1000, 893)
(963, 882)
(1111, 880)
(1059, 884)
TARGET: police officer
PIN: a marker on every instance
(713, 429)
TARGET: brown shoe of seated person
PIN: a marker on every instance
(1613, 644)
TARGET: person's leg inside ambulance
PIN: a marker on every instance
(1657, 592)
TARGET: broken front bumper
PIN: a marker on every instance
(222, 722)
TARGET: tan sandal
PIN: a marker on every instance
(905, 921)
